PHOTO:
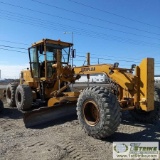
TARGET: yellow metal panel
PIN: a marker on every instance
(59, 42)
(147, 84)
(71, 94)
(124, 79)
(52, 101)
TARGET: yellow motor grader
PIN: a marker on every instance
(44, 91)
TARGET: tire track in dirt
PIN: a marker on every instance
(77, 151)
(80, 146)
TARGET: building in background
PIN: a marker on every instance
(94, 78)
(102, 78)
(157, 78)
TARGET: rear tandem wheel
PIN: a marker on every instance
(10, 94)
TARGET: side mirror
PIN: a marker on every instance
(73, 53)
(133, 66)
(116, 65)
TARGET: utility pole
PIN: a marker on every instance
(88, 63)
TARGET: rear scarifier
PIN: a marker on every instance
(23, 97)
(10, 94)
(98, 112)
(151, 116)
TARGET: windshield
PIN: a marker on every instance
(52, 50)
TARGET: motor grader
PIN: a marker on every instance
(44, 90)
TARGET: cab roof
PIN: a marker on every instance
(50, 41)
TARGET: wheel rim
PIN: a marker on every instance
(8, 93)
(91, 113)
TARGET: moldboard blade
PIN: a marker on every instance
(46, 114)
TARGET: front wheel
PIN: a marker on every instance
(98, 112)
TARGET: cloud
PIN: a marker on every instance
(12, 71)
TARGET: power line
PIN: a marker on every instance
(12, 50)
(13, 47)
(85, 32)
(118, 58)
(111, 13)
(75, 13)
(76, 55)
(64, 9)
(13, 42)
(97, 26)
(106, 59)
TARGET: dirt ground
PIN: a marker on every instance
(64, 139)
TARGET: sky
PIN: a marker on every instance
(124, 31)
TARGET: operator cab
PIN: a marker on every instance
(43, 54)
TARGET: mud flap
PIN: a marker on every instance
(46, 114)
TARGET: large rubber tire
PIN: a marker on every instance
(151, 116)
(10, 94)
(1, 106)
(98, 112)
(23, 97)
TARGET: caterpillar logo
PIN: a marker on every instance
(87, 69)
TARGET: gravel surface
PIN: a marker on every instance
(64, 139)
